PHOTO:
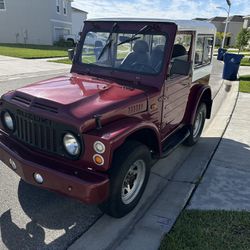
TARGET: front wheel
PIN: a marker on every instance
(128, 178)
(197, 127)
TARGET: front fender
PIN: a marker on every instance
(114, 135)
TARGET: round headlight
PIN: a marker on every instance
(71, 144)
(8, 121)
(99, 147)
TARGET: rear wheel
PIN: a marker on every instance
(128, 178)
(197, 127)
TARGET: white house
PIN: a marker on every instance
(34, 21)
(78, 18)
(235, 24)
(246, 25)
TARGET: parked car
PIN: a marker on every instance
(90, 39)
(92, 135)
(72, 38)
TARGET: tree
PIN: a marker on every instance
(219, 37)
(242, 39)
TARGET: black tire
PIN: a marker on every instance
(124, 158)
(196, 133)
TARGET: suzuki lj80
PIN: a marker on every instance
(132, 97)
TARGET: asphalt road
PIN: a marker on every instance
(32, 218)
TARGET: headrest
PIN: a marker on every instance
(98, 44)
(141, 46)
(179, 50)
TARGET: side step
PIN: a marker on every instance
(174, 141)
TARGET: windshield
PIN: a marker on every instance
(137, 52)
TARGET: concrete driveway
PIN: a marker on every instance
(16, 68)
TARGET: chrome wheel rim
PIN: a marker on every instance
(197, 124)
(133, 181)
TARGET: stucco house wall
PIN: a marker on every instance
(246, 25)
(78, 18)
(33, 21)
(219, 26)
(60, 23)
(235, 24)
(234, 28)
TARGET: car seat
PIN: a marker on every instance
(138, 56)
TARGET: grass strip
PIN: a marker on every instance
(245, 85)
(206, 230)
(32, 51)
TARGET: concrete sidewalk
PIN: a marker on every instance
(14, 68)
(244, 70)
(226, 184)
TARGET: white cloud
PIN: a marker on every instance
(170, 9)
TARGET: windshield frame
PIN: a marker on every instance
(167, 29)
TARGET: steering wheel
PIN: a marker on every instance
(144, 67)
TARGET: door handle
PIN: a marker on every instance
(162, 98)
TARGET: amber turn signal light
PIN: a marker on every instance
(98, 160)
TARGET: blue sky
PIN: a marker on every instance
(173, 9)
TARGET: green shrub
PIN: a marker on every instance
(63, 43)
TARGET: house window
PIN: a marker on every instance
(64, 8)
(2, 5)
(57, 6)
(203, 51)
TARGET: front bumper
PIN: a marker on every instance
(89, 187)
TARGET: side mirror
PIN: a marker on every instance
(180, 67)
(71, 53)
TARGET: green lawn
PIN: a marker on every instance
(66, 61)
(245, 61)
(208, 230)
(32, 51)
(237, 51)
(245, 84)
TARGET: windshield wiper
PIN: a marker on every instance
(108, 41)
(134, 37)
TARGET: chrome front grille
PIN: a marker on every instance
(36, 132)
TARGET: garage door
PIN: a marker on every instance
(60, 33)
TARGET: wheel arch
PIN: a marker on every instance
(148, 137)
(116, 134)
(207, 99)
(198, 94)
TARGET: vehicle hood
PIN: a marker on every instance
(75, 99)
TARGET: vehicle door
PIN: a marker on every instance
(178, 84)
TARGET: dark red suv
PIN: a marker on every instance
(131, 97)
